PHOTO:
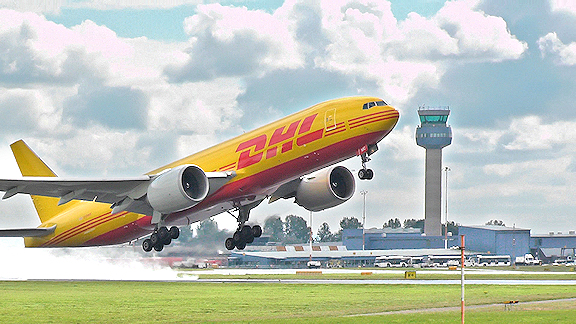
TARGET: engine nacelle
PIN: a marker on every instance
(177, 189)
(329, 188)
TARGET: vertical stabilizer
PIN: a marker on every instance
(32, 166)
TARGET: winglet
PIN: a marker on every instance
(32, 166)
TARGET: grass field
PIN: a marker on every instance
(186, 302)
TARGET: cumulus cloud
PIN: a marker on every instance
(530, 133)
(568, 6)
(367, 41)
(36, 50)
(563, 54)
(230, 41)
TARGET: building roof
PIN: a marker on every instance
(558, 234)
(495, 228)
(343, 253)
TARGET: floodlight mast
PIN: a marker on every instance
(433, 134)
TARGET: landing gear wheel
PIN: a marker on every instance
(229, 243)
(147, 245)
(167, 240)
(369, 174)
(365, 174)
(257, 231)
(154, 239)
(241, 245)
(159, 247)
(163, 233)
(174, 232)
(246, 234)
(237, 237)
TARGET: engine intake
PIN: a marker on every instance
(177, 189)
(328, 188)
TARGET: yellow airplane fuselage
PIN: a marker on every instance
(263, 159)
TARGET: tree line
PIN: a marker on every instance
(294, 229)
(419, 224)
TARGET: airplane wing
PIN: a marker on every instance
(124, 194)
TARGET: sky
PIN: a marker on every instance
(119, 88)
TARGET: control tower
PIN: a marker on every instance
(433, 134)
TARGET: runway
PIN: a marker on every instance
(515, 282)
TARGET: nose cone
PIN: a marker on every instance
(384, 119)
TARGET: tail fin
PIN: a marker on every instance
(32, 166)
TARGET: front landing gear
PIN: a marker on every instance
(365, 173)
(160, 237)
(365, 152)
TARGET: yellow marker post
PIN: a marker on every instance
(410, 275)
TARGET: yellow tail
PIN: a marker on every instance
(32, 166)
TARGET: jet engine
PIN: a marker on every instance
(177, 189)
(328, 188)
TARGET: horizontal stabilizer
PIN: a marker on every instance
(27, 232)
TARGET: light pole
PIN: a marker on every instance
(311, 236)
(446, 169)
(363, 193)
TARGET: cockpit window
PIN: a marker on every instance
(369, 105)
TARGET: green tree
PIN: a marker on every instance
(414, 223)
(452, 227)
(274, 226)
(207, 229)
(350, 223)
(392, 223)
(495, 222)
(324, 233)
(296, 229)
(186, 234)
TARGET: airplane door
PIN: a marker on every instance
(330, 119)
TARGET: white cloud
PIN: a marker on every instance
(544, 167)
(366, 41)
(529, 133)
(563, 54)
(568, 6)
(230, 41)
(402, 143)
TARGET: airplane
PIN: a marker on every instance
(293, 157)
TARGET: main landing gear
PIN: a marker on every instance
(245, 234)
(160, 237)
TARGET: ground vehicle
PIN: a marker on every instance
(418, 262)
(444, 260)
(396, 261)
(493, 260)
(313, 264)
(527, 259)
